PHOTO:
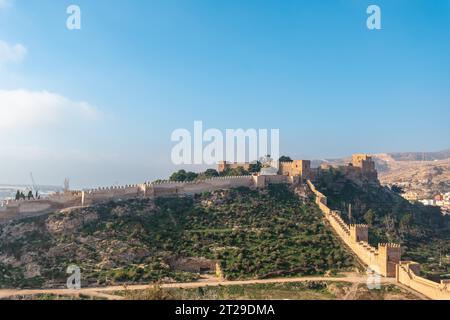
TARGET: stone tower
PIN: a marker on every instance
(359, 232)
(389, 255)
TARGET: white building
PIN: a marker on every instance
(447, 197)
(428, 202)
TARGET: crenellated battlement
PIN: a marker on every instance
(386, 258)
(389, 245)
(16, 209)
(365, 226)
(226, 178)
(356, 236)
(359, 232)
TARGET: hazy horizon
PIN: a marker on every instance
(194, 168)
(98, 105)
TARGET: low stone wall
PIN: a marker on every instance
(22, 209)
(408, 274)
(112, 193)
(19, 209)
(169, 188)
(217, 184)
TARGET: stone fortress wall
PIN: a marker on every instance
(224, 165)
(290, 172)
(300, 168)
(386, 259)
(408, 273)
(16, 210)
(360, 170)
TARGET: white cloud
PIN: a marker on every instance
(5, 3)
(53, 136)
(11, 53)
(25, 110)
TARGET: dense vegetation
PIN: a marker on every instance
(188, 176)
(423, 231)
(252, 233)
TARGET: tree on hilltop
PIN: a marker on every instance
(211, 173)
(182, 176)
(369, 217)
(255, 167)
(406, 222)
(239, 171)
(285, 159)
(397, 189)
(208, 174)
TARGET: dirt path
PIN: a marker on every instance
(106, 292)
(351, 294)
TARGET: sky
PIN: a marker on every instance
(99, 105)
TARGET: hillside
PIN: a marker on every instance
(423, 232)
(424, 173)
(426, 179)
(252, 233)
(421, 156)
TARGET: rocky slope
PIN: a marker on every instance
(424, 173)
(425, 178)
(423, 232)
(251, 233)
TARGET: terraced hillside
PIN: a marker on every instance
(253, 234)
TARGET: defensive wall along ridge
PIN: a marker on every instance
(170, 188)
(20, 209)
(386, 259)
(290, 172)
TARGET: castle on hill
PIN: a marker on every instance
(361, 169)
(384, 259)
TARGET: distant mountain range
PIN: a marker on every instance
(421, 156)
(424, 173)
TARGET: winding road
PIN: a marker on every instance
(108, 292)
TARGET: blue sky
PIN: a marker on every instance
(140, 69)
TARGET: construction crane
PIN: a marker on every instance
(34, 186)
(66, 185)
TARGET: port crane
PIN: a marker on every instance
(34, 185)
